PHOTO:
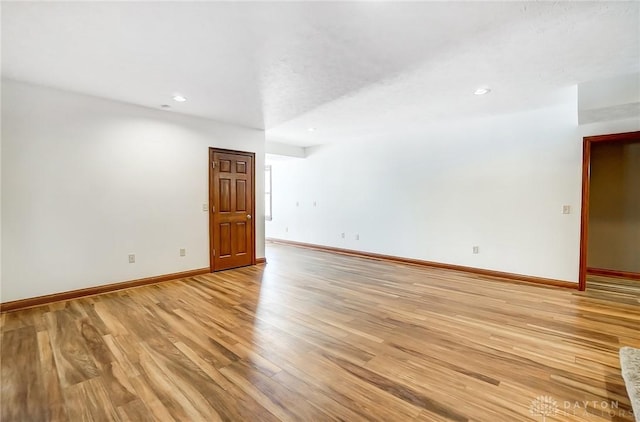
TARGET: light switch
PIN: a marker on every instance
(566, 209)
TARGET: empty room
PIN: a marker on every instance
(318, 211)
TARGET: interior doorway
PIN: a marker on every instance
(604, 255)
(232, 209)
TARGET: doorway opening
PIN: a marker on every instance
(610, 214)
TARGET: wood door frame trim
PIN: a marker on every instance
(211, 151)
(586, 177)
(502, 276)
(15, 305)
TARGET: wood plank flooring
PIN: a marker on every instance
(313, 336)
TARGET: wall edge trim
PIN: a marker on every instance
(96, 290)
(501, 275)
(613, 273)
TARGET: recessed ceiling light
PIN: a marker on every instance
(179, 98)
(312, 129)
(482, 91)
(165, 106)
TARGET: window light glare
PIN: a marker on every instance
(179, 98)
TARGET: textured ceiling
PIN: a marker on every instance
(350, 69)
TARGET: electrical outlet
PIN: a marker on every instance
(357, 237)
(132, 258)
(315, 203)
(566, 209)
(183, 252)
(297, 204)
(342, 235)
(476, 249)
(286, 229)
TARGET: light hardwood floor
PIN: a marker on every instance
(313, 336)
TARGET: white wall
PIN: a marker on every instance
(496, 182)
(610, 99)
(86, 181)
(612, 126)
(285, 150)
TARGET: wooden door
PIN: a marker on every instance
(231, 202)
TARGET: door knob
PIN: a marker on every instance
(248, 216)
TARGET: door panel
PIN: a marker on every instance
(231, 200)
(225, 195)
(241, 195)
(225, 166)
(241, 245)
(225, 240)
